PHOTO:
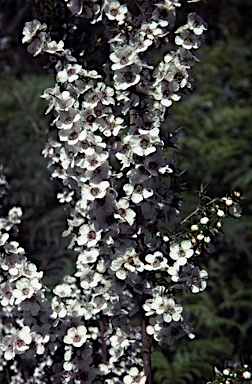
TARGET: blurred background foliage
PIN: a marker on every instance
(214, 149)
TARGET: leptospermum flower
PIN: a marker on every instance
(95, 191)
(182, 252)
(89, 235)
(76, 336)
(124, 213)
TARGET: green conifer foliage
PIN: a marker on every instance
(216, 141)
(23, 132)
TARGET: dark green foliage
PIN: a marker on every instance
(23, 134)
(216, 151)
(219, 129)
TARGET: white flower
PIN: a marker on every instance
(156, 164)
(112, 125)
(155, 305)
(66, 196)
(123, 56)
(229, 202)
(182, 252)
(165, 93)
(115, 353)
(17, 343)
(226, 372)
(187, 39)
(164, 13)
(139, 191)
(30, 270)
(8, 346)
(76, 336)
(23, 339)
(127, 77)
(15, 214)
(194, 278)
(178, 76)
(88, 277)
(12, 263)
(105, 94)
(196, 23)
(68, 118)
(62, 290)
(30, 30)
(115, 11)
(134, 377)
(200, 237)
(120, 339)
(151, 29)
(156, 261)
(89, 235)
(93, 159)
(6, 295)
(88, 256)
(124, 151)
(13, 248)
(64, 101)
(37, 45)
(58, 308)
(75, 6)
(25, 289)
(124, 213)
(53, 46)
(172, 311)
(145, 144)
(3, 238)
(125, 263)
(70, 73)
(99, 303)
(94, 191)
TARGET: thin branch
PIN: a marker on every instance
(104, 346)
(196, 210)
(146, 351)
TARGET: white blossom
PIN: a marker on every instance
(182, 252)
(76, 336)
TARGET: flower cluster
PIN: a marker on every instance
(238, 373)
(210, 219)
(121, 186)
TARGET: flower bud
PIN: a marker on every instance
(220, 213)
(229, 202)
(246, 375)
(204, 220)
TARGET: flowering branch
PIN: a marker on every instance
(130, 260)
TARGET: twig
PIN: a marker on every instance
(146, 351)
(104, 346)
(196, 210)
